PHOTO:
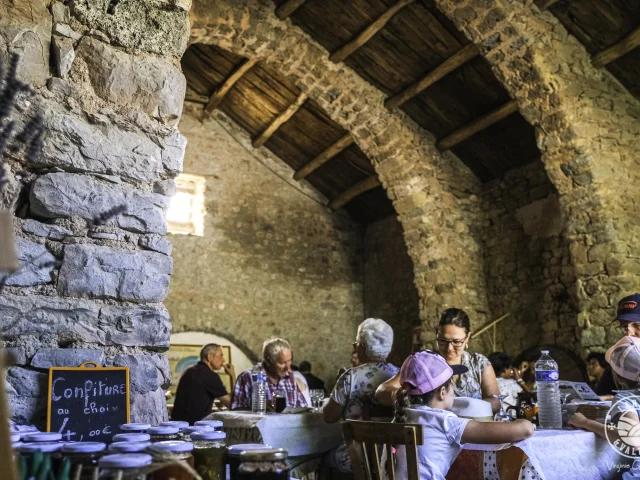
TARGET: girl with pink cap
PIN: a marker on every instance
(426, 396)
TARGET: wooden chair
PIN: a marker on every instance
(364, 440)
(371, 410)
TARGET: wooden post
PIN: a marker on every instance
(8, 257)
(458, 59)
(288, 7)
(477, 125)
(278, 121)
(324, 157)
(617, 50)
(367, 34)
(352, 192)
(236, 75)
(8, 466)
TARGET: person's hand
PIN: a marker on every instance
(578, 420)
(515, 374)
(230, 369)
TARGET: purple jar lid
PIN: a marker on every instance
(14, 437)
(209, 423)
(23, 429)
(84, 447)
(175, 423)
(42, 446)
(234, 450)
(131, 437)
(128, 447)
(163, 430)
(208, 435)
(134, 427)
(42, 437)
(16, 445)
(198, 428)
(174, 446)
(125, 460)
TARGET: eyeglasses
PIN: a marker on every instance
(457, 343)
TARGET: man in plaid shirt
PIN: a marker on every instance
(277, 358)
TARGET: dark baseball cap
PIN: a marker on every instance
(629, 309)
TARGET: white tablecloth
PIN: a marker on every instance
(299, 433)
(565, 454)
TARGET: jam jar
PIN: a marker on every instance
(128, 447)
(263, 465)
(186, 432)
(178, 424)
(134, 427)
(210, 454)
(174, 450)
(163, 434)
(233, 455)
(26, 451)
(215, 424)
(84, 458)
(121, 465)
(131, 437)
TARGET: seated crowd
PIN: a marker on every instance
(422, 391)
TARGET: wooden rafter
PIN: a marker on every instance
(230, 81)
(477, 125)
(191, 96)
(288, 7)
(278, 121)
(458, 59)
(352, 192)
(617, 50)
(367, 34)
(324, 157)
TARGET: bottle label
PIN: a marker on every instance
(547, 376)
(258, 377)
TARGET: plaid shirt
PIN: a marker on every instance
(243, 390)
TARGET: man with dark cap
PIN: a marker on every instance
(628, 317)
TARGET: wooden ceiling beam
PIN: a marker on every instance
(230, 81)
(620, 49)
(352, 192)
(458, 59)
(279, 121)
(288, 7)
(477, 125)
(368, 33)
(191, 96)
(331, 152)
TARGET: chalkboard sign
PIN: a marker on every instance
(87, 403)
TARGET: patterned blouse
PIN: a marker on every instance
(469, 384)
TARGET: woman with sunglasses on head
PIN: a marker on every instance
(452, 337)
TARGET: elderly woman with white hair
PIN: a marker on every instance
(373, 344)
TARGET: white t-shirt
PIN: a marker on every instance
(442, 442)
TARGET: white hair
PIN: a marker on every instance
(376, 336)
(272, 348)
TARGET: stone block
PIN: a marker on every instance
(60, 13)
(72, 142)
(148, 372)
(156, 243)
(53, 232)
(63, 54)
(61, 195)
(165, 187)
(142, 25)
(593, 336)
(150, 407)
(27, 382)
(27, 396)
(66, 357)
(33, 258)
(72, 320)
(25, 28)
(18, 355)
(142, 82)
(101, 272)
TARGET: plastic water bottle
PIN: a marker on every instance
(259, 389)
(548, 381)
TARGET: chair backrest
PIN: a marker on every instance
(364, 440)
(371, 410)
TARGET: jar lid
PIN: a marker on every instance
(14, 437)
(42, 437)
(175, 423)
(125, 460)
(16, 445)
(42, 446)
(236, 450)
(198, 428)
(262, 455)
(23, 428)
(163, 430)
(84, 447)
(208, 435)
(209, 423)
(136, 427)
(131, 437)
(174, 446)
(128, 447)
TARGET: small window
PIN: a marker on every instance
(186, 208)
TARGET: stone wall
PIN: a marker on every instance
(108, 81)
(389, 289)
(273, 261)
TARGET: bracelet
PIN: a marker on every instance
(519, 380)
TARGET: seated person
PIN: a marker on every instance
(276, 360)
(426, 396)
(509, 381)
(374, 340)
(200, 385)
(314, 382)
(600, 375)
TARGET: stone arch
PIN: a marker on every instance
(587, 130)
(434, 194)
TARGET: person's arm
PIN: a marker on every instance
(214, 387)
(497, 432)
(489, 388)
(385, 393)
(225, 400)
(332, 411)
(578, 420)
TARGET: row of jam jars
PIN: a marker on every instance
(132, 466)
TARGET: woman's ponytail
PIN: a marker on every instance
(402, 403)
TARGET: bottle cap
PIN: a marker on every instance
(125, 460)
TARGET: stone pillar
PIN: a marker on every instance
(434, 194)
(588, 133)
(112, 93)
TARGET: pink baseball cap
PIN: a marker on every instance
(624, 358)
(425, 371)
